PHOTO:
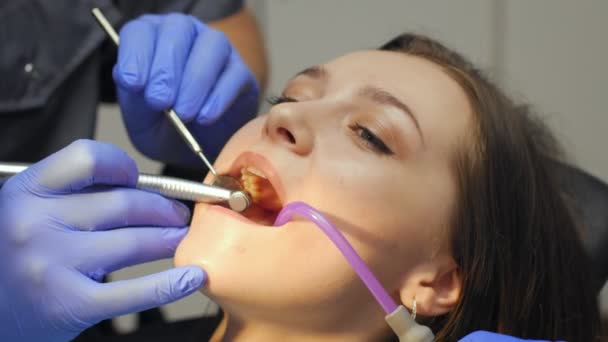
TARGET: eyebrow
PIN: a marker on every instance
(316, 72)
(375, 94)
(385, 98)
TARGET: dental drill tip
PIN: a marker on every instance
(239, 201)
(202, 156)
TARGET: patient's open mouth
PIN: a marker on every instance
(265, 201)
(259, 178)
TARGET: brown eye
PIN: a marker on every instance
(275, 100)
(371, 140)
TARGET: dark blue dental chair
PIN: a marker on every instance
(590, 197)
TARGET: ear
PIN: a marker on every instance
(435, 285)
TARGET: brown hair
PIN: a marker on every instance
(513, 237)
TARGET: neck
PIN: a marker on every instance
(233, 329)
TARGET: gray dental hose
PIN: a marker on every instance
(169, 187)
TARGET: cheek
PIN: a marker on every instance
(393, 217)
(375, 229)
(212, 241)
(297, 264)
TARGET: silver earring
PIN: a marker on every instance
(414, 308)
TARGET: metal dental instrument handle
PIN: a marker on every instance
(171, 115)
(170, 187)
(193, 191)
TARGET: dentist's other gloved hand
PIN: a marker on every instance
(64, 224)
(484, 336)
(175, 61)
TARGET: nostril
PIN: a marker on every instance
(287, 135)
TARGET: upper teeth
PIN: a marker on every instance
(255, 172)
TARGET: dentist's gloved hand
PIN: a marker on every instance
(175, 61)
(484, 336)
(63, 225)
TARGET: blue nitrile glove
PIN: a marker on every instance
(62, 227)
(484, 336)
(175, 61)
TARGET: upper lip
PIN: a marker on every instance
(257, 161)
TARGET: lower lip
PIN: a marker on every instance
(236, 215)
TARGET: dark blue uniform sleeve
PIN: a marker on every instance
(56, 67)
(210, 10)
(205, 10)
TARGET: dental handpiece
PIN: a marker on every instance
(170, 187)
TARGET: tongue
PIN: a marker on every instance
(260, 215)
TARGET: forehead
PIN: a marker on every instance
(436, 98)
(391, 69)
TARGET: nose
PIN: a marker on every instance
(287, 126)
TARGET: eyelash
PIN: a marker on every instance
(369, 138)
(275, 100)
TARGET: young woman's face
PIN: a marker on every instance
(367, 139)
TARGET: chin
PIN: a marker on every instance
(251, 265)
(230, 248)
